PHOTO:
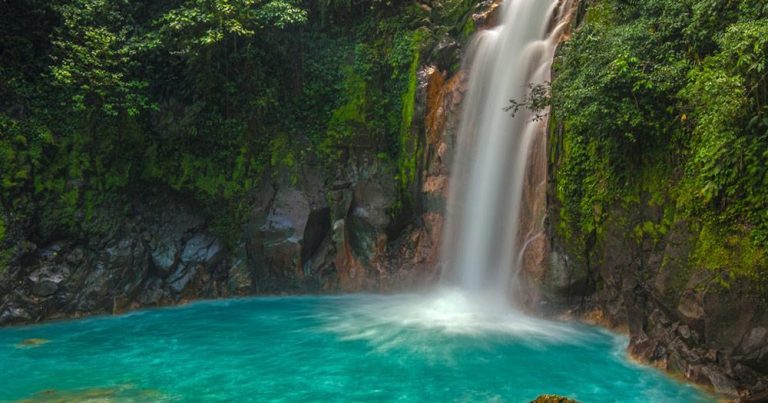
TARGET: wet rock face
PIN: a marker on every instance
(446, 54)
(414, 256)
(154, 258)
(289, 237)
(47, 280)
(13, 313)
(275, 247)
(313, 235)
(754, 348)
(677, 316)
(368, 220)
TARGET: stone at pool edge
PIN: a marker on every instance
(28, 343)
(553, 399)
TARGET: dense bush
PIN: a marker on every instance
(98, 98)
(663, 102)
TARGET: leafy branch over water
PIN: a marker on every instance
(537, 101)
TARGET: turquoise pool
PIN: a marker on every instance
(434, 348)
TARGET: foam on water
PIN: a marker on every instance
(447, 311)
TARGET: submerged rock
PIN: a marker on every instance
(27, 343)
(120, 393)
(552, 399)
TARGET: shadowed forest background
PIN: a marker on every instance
(660, 102)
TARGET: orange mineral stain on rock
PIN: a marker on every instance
(443, 96)
(488, 17)
(436, 184)
(435, 119)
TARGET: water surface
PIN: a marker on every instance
(353, 348)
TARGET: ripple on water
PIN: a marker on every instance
(444, 346)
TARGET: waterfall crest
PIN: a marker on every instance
(499, 160)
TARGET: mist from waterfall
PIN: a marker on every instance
(483, 240)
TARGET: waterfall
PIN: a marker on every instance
(500, 171)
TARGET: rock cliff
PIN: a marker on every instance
(641, 272)
(325, 229)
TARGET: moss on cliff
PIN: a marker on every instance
(207, 106)
(729, 256)
(409, 147)
(666, 125)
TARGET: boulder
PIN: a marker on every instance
(48, 279)
(199, 253)
(202, 248)
(166, 230)
(94, 292)
(754, 348)
(286, 232)
(446, 54)
(12, 313)
(153, 292)
(722, 383)
(274, 242)
(240, 281)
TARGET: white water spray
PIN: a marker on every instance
(499, 161)
(484, 240)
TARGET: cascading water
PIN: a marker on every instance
(496, 205)
(497, 153)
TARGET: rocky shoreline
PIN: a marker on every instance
(678, 318)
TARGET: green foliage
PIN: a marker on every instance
(584, 186)
(100, 98)
(349, 120)
(283, 152)
(726, 175)
(468, 29)
(200, 23)
(729, 256)
(537, 101)
(94, 55)
(22, 145)
(663, 104)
